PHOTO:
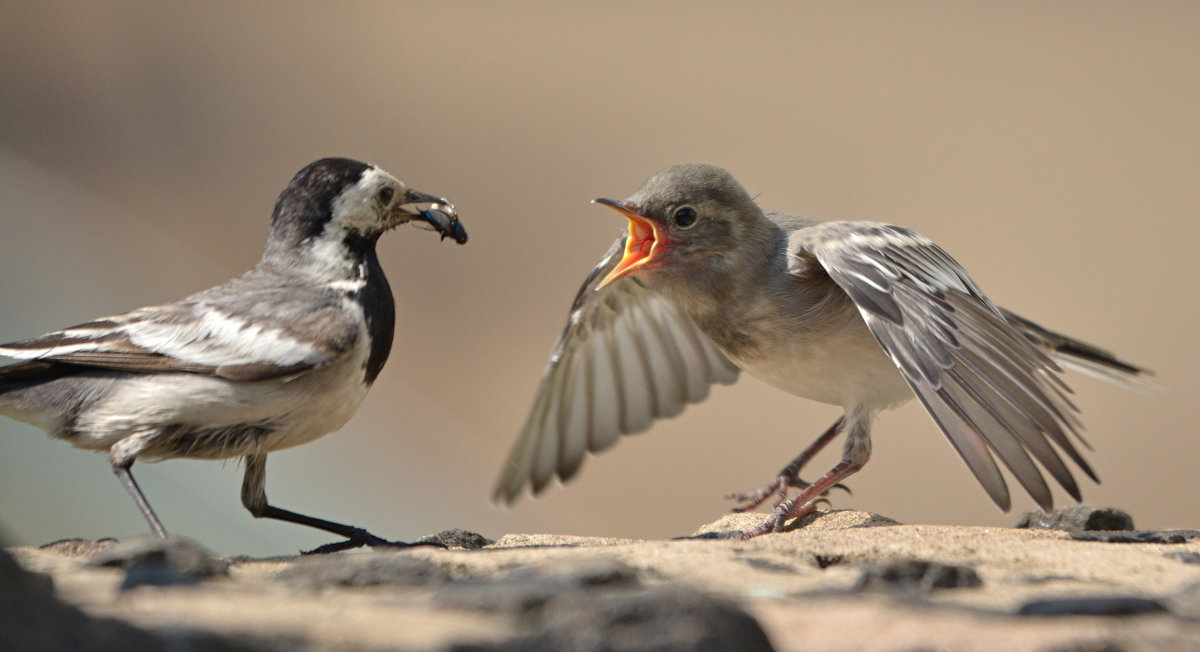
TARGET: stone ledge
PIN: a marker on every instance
(843, 581)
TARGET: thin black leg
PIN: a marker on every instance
(254, 497)
(131, 485)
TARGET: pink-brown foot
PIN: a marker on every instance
(753, 499)
(783, 513)
(779, 486)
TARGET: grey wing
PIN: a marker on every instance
(627, 356)
(240, 333)
(988, 387)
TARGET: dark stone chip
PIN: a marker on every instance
(768, 565)
(1185, 557)
(78, 547)
(914, 574)
(1120, 605)
(366, 569)
(529, 588)
(663, 619)
(33, 618)
(825, 561)
(456, 538)
(1078, 518)
(720, 536)
(151, 561)
(1138, 536)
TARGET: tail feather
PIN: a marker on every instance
(1086, 358)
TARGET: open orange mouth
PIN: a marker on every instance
(640, 246)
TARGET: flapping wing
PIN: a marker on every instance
(240, 334)
(627, 356)
(987, 386)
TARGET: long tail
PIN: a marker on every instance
(1085, 358)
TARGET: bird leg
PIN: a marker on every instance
(254, 497)
(790, 475)
(855, 454)
(121, 456)
(131, 486)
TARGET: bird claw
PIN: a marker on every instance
(779, 486)
(753, 499)
(783, 512)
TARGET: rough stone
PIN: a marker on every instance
(1139, 536)
(456, 538)
(160, 562)
(917, 575)
(33, 618)
(1078, 518)
(1117, 605)
(662, 619)
(361, 569)
(538, 591)
(1187, 557)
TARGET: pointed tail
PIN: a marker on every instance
(1083, 357)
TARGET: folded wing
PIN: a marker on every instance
(243, 334)
(988, 387)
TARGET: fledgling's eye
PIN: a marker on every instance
(385, 195)
(685, 217)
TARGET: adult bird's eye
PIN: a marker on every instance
(385, 194)
(685, 216)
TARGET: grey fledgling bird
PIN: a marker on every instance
(277, 357)
(856, 314)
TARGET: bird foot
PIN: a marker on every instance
(366, 539)
(783, 512)
(752, 499)
(779, 487)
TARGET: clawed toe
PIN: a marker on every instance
(752, 499)
(783, 513)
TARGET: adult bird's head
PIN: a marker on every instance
(335, 201)
(687, 221)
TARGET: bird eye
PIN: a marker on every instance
(685, 217)
(385, 195)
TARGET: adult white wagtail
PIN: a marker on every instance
(276, 357)
(856, 314)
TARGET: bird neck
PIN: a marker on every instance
(730, 297)
(346, 260)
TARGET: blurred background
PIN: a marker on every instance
(1052, 148)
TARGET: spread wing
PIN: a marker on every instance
(986, 385)
(627, 356)
(237, 331)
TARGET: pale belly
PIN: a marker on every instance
(848, 368)
(204, 417)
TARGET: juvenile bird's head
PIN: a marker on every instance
(687, 221)
(337, 202)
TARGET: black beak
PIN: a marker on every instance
(438, 211)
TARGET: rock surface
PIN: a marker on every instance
(842, 581)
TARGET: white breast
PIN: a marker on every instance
(846, 367)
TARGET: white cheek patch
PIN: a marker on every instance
(357, 209)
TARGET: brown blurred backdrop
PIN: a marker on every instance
(1053, 148)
